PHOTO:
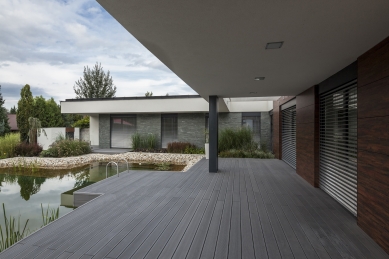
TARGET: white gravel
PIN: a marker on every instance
(75, 161)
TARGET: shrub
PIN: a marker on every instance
(179, 147)
(82, 123)
(194, 150)
(67, 147)
(8, 144)
(146, 141)
(241, 138)
(235, 153)
(28, 149)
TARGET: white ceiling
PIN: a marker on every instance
(218, 47)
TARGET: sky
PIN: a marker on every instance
(47, 43)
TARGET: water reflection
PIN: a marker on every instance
(23, 191)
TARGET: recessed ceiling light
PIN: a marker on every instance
(252, 92)
(259, 78)
(274, 45)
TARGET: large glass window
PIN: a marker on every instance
(122, 129)
(168, 128)
(252, 120)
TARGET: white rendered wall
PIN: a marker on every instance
(76, 133)
(52, 134)
(94, 129)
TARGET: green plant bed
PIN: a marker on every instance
(67, 147)
(235, 153)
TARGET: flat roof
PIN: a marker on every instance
(134, 98)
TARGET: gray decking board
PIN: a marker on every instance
(250, 209)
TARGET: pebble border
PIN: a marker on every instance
(132, 157)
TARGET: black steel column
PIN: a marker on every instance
(213, 134)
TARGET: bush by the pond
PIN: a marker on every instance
(146, 141)
(235, 153)
(241, 138)
(184, 148)
(67, 147)
(28, 149)
(8, 144)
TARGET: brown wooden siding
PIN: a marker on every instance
(307, 136)
(373, 143)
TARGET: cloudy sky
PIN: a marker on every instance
(47, 43)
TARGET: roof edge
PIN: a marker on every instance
(133, 98)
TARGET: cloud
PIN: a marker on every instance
(47, 44)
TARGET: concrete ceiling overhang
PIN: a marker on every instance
(218, 47)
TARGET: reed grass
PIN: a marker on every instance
(144, 141)
(8, 144)
(12, 232)
(50, 215)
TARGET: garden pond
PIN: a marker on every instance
(24, 190)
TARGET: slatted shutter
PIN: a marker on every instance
(289, 136)
(338, 144)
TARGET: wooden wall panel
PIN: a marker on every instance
(307, 136)
(374, 65)
(373, 143)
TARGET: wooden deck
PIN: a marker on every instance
(251, 209)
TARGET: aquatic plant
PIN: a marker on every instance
(162, 167)
(50, 215)
(13, 232)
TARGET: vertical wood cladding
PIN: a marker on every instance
(373, 143)
(307, 136)
(277, 122)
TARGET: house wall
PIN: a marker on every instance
(149, 123)
(373, 143)
(191, 128)
(94, 129)
(84, 134)
(104, 131)
(230, 120)
(266, 130)
(307, 135)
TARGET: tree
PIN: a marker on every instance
(35, 129)
(4, 124)
(25, 111)
(95, 84)
(70, 119)
(148, 94)
(13, 110)
(40, 110)
(53, 114)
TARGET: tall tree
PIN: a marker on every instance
(95, 84)
(53, 114)
(13, 110)
(40, 110)
(4, 124)
(25, 111)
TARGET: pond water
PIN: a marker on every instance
(23, 191)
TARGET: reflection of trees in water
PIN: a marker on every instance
(29, 185)
(82, 178)
(30, 182)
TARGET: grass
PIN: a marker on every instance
(50, 215)
(13, 231)
(144, 141)
(8, 144)
(241, 138)
(239, 143)
(67, 147)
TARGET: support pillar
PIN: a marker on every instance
(213, 134)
